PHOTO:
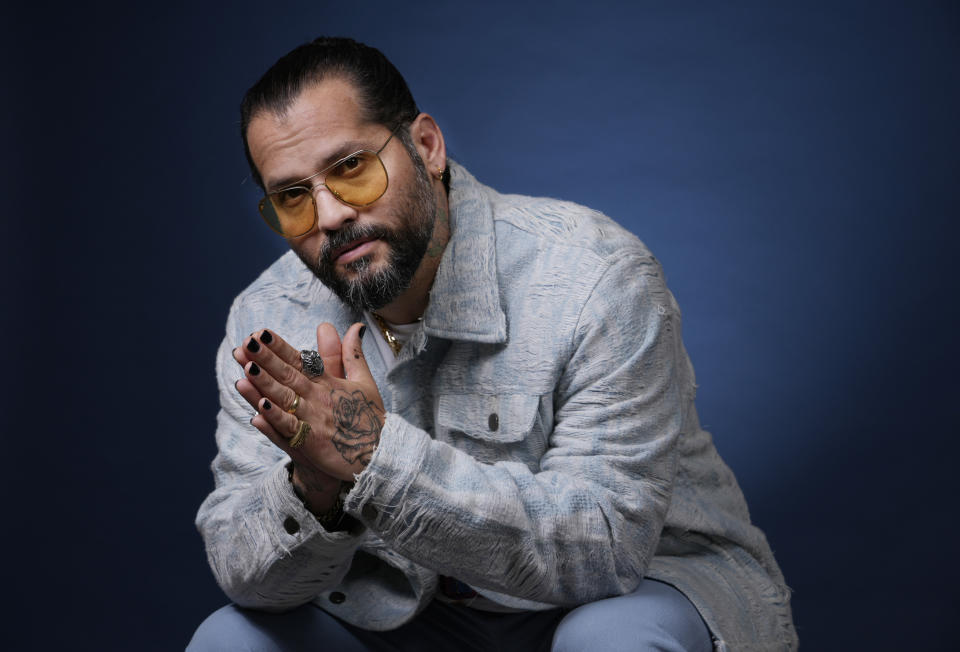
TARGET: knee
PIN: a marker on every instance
(588, 628)
(655, 617)
(225, 629)
(232, 629)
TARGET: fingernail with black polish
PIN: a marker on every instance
(252, 346)
(363, 331)
(266, 404)
(266, 337)
(254, 369)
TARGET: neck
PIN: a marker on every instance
(411, 305)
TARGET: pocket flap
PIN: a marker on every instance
(498, 417)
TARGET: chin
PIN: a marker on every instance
(365, 270)
(360, 267)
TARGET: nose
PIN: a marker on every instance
(331, 212)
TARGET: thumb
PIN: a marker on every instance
(329, 347)
(354, 363)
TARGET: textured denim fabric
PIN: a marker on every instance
(593, 474)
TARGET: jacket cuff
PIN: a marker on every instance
(295, 524)
(378, 493)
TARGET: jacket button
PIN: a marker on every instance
(336, 597)
(493, 421)
(290, 525)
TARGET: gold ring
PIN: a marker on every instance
(303, 429)
(296, 404)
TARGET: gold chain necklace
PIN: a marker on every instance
(394, 343)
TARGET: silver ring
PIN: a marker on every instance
(311, 363)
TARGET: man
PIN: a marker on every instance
(507, 458)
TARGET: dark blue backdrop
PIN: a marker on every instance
(794, 168)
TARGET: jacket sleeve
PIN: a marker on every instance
(266, 550)
(585, 525)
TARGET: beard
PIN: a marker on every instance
(369, 288)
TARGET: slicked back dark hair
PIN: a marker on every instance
(381, 90)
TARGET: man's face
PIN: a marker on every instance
(368, 255)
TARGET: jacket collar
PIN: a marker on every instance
(465, 298)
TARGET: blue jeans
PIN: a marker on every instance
(654, 617)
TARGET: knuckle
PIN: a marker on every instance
(288, 375)
(280, 420)
(289, 397)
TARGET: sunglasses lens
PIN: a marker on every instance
(358, 180)
(290, 212)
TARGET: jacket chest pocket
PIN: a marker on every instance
(494, 428)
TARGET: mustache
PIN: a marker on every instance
(349, 233)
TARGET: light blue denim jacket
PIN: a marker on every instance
(541, 442)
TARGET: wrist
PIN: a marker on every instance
(333, 519)
(323, 500)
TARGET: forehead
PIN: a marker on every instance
(319, 121)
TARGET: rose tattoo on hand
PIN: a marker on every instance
(358, 422)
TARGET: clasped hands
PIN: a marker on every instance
(342, 407)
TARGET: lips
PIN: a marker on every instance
(353, 250)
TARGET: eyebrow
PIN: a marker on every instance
(344, 150)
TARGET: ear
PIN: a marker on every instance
(428, 140)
